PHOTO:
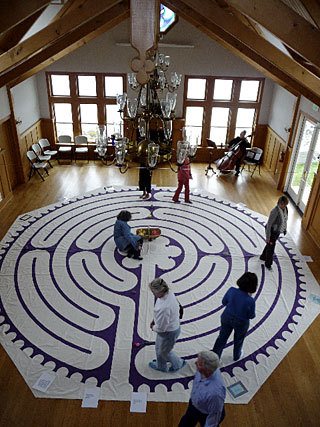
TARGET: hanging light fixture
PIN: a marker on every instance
(149, 111)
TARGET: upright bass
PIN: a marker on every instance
(235, 155)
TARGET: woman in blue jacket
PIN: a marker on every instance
(124, 239)
(240, 308)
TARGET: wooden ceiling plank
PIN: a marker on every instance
(221, 26)
(313, 9)
(12, 12)
(85, 11)
(83, 35)
(284, 23)
(12, 37)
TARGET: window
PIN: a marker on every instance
(87, 86)
(63, 119)
(220, 108)
(89, 120)
(80, 102)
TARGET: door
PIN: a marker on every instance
(305, 162)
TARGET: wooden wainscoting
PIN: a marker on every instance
(7, 161)
(275, 148)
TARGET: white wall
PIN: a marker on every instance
(4, 103)
(206, 57)
(26, 105)
(281, 111)
(309, 108)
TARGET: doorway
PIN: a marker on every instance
(305, 161)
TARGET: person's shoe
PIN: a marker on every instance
(175, 201)
(269, 267)
(146, 196)
(237, 173)
(142, 196)
(153, 365)
(172, 369)
(240, 357)
(138, 257)
(189, 201)
(262, 258)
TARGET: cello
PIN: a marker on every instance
(235, 154)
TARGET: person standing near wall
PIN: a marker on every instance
(277, 224)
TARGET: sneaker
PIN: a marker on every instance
(240, 357)
(172, 369)
(153, 365)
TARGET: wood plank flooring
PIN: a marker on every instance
(290, 397)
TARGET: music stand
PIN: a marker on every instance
(211, 146)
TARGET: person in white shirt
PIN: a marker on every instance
(166, 323)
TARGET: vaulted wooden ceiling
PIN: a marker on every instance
(238, 25)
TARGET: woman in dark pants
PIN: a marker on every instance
(145, 175)
(124, 239)
(277, 223)
(240, 308)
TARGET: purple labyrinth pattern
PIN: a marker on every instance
(72, 305)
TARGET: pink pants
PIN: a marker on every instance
(184, 183)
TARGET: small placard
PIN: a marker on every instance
(44, 382)
(314, 298)
(91, 397)
(237, 389)
(138, 402)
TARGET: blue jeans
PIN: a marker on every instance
(165, 342)
(231, 323)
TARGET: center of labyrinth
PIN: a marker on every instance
(72, 304)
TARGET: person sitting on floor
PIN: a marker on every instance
(124, 239)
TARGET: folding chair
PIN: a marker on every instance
(36, 166)
(46, 148)
(253, 158)
(65, 147)
(38, 152)
(81, 146)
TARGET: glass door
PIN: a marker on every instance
(305, 163)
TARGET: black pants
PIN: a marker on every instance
(268, 251)
(133, 252)
(145, 179)
(193, 416)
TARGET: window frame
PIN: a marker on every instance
(233, 104)
(75, 99)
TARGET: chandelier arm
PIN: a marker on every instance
(171, 167)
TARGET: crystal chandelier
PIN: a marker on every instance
(148, 114)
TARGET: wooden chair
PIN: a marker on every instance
(36, 166)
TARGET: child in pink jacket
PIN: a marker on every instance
(184, 174)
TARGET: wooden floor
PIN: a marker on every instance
(290, 397)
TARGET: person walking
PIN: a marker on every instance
(124, 239)
(166, 324)
(145, 175)
(240, 308)
(277, 224)
(184, 174)
(206, 404)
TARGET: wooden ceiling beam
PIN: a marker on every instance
(81, 36)
(313, 9)
(284, 23)
(12, 12)
(12, 37)
(221, 26)
(86, 10)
